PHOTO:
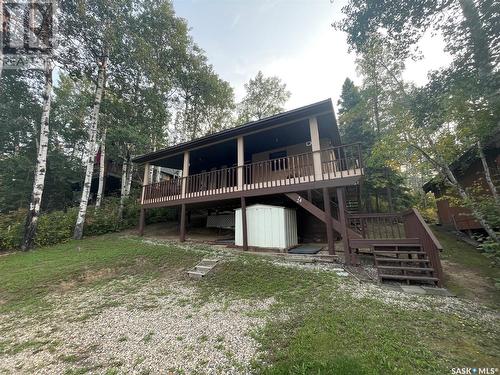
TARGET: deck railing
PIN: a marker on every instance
(395, 227)
(415, 227)
(326, 164)
(378, 226)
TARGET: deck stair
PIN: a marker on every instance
(401, 262)
(202, 268)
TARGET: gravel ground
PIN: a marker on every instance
(154, 329)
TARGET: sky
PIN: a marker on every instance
(291, 39)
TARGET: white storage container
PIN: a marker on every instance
(268, 226)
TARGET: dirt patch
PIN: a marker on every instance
(87, 277)
(467, 283)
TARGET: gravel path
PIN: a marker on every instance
(155, 329)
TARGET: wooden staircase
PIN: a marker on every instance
(404, 262)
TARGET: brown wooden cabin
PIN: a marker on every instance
(295, 158)
(469, 172)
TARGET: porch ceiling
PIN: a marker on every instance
(322, 110)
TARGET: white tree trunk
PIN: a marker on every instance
(41, 162)
(94, 120)
(102, 165)
(130, 173)
(465, 197)
(487, 174)
(123, 190)
(158, 174)
(444, 168)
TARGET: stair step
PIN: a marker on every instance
(196, 274)
(405, 277)
(405, 268)
(203, 268)
(399, 245)
(399, 252)
(403, 260)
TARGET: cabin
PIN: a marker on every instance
(469, 172)
(291, 167)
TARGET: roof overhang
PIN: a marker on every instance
(312, 110)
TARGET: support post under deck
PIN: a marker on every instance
(244, 223)
(349, 257)
(182, 235)
(328, 222)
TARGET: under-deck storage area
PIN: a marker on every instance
(268, 227)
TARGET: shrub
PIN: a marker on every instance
(57, 226)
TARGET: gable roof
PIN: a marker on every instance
(315, 109)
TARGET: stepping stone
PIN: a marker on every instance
(342, 273)
(202, 268)
(438, 291)
(413, 289)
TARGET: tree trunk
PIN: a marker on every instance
(463, 194)
(101, 83)
(41, 163)
(130, 172)
(123, 189)
(102, 165)
(487, 174)
(442, 166)
(158, 175)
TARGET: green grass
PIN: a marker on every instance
(313, 327)
(25, 278)
(330, 332)
(468, 266)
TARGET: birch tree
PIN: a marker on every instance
(41, 163)
(93, 124)
(102, 166)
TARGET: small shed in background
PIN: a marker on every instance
(268, 226)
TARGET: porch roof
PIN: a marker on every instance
(324, 107)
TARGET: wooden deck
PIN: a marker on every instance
(337, 166)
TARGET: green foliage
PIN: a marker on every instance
(57, 226)
(265, 96)
(491, 249)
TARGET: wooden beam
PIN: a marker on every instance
(185, 173)
(142, 221)
(328, 222)
(241, 161)
(182, 235)
(316, 147)
(319, 213)
(244, 223)
(348, 255)
(352, 180)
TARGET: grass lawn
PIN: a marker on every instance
(314, 322)
(468, 273)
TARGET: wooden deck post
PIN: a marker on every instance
(142, 221)
(244, 223)
(185, 173)
(316, 147)
(182, 224)
(241, 161)
(349, 257)
(328, 222)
